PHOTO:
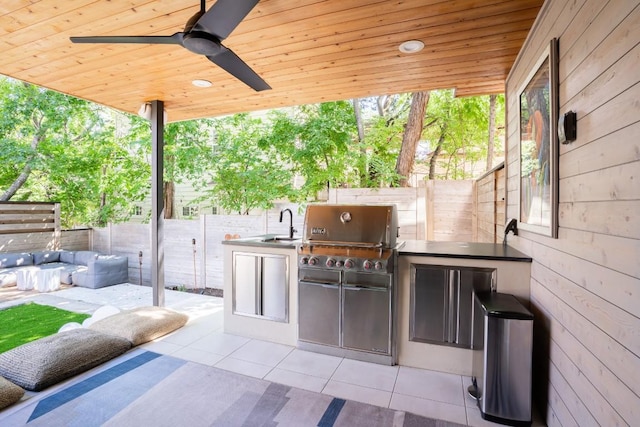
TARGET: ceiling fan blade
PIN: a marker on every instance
(232, 64)
(173, 39)
(224, 16)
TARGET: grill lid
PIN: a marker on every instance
(351, 225)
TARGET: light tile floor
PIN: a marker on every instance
(428, 393)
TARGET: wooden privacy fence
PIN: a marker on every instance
(189, 264)
(28, 226)
(490, 206)
(437, 210)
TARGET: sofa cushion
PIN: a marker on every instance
(15, 260)
(106, 270)
(45, 257)
(141, 325)
(83, 257)
(47, 361)
(67, 256)
(9, 393)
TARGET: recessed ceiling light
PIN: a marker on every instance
(411, 46)
(201, 83)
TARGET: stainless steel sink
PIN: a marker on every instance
(281, 239)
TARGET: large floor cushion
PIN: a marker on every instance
(9, 393)
(141, 325)
(47, 361)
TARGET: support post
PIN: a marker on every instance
(157, 202)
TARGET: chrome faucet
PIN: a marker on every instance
(291, 229)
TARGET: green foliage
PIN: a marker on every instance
(28, 322)
(71, 151)
(324, 155)
(244, 174)
(383, 138)
(461, 126)
(95, 161)
(187, 150)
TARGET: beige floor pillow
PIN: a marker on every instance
(47, 361)
(9, 393)
(141, 325)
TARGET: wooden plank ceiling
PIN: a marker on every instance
(307, 50)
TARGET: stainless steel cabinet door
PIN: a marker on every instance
(442, 302)
(429, 304)
(245, 280)
(366, 314)
(274, 287)
(319, 313)
(260, 285)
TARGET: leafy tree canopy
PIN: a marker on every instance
(63, 149)
(460, 127)
(95, 161)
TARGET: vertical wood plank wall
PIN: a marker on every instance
(585, 285)
(490, 206)
(450, 210)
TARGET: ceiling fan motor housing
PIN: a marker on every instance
(201, 43)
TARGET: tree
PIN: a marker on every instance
(459, 133)
(244, 174)
(492, 131)
(362, 161)
(323, 155)
(411, 137)
(95, 161)
(187, 156)
(384, 128)
(59, 148)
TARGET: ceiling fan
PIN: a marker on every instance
(203, 35)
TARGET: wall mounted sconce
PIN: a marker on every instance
(567, 127)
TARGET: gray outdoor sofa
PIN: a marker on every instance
(88, 269)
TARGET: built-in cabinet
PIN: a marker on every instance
(260, 285)
(441, 302)
(436, 283)
(260, 290)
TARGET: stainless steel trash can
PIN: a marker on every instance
(503, 345)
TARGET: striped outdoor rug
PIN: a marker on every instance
(143, 388)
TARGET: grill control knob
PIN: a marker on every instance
(378, 265)
(339, 263)
(330, 262)
(313, 261)
(367, 265)
(348, 263)
(304, 260)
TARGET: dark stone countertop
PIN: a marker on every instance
(468, 250)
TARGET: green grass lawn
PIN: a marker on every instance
(28, 322)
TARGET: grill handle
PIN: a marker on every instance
(334, 243)
(319, 283)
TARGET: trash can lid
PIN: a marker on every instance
(506, 306)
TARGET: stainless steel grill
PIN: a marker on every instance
(346, 281)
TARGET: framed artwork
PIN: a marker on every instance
(539, 146)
